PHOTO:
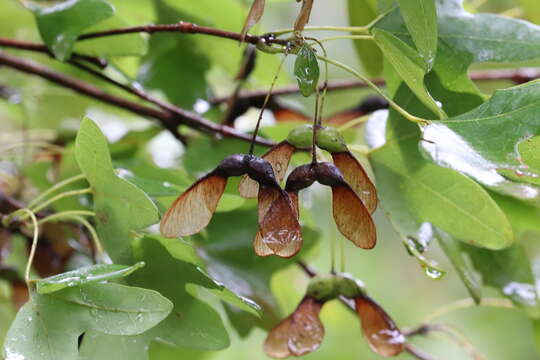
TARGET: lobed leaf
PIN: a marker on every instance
(85, 275)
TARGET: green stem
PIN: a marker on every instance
(55, 187)
(353, 123)
(34, 244)
(350, 29)
(95, 237)
(347, 37)
(66, 214)
(467, 303)
(369, 83)
(58, 197)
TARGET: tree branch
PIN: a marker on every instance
(185, 28)
(170, 120)
(25, 45)
(518, 76)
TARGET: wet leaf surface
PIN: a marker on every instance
(485, 141)
(85, 275)
(418, 191)
(54, 322)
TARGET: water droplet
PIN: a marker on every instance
(94, 313)
(433, 273)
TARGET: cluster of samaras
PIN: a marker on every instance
(302, 332)
(354, 195)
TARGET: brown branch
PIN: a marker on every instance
(518, 76)
(170, 120)
(185, 28)
(30, 46)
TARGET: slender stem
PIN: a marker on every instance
(55, 187)
(518, 76)
(95, 238)
(66, 214)
(347, 37)
(44, 204)
(350, 29)
(417, 353)
(34, 244)
(467, 303)
(266, 99)
(394, 105)
(353, 123)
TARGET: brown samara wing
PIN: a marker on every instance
(193, 210)
(357, 178)
(255, 14)
(279, 157)
(299, 334)
(267, 196)
(280, 228)
(352, 218)
(378, 328)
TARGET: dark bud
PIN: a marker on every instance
(234, 165)
(328, 174)
(261, 171)
(372, 104)
(301, 178)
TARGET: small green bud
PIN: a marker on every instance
(348, 286)
(331, 140)
(301, 136)
(323, 288)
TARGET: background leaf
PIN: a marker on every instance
(61, 23)
(361, 12)
(421, 19)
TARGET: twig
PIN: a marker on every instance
(168, 119)
(30, 46)
(417, 353)
(517, 76)
(185, 28)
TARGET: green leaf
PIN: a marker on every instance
(192, 323)
(414, 191)
(48, 326)
(85, 275)
(306, 70)
(361, 12)
(421, 19)
(120, 206)
(409, 65)
(510, 272)
(60, 24)
(483, 143)
(228, 248)
(175, 64)
(477, 38)
(462, 262)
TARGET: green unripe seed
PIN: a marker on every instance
(323, 288)
(331, 140)
(349, 286)
(301, 136)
